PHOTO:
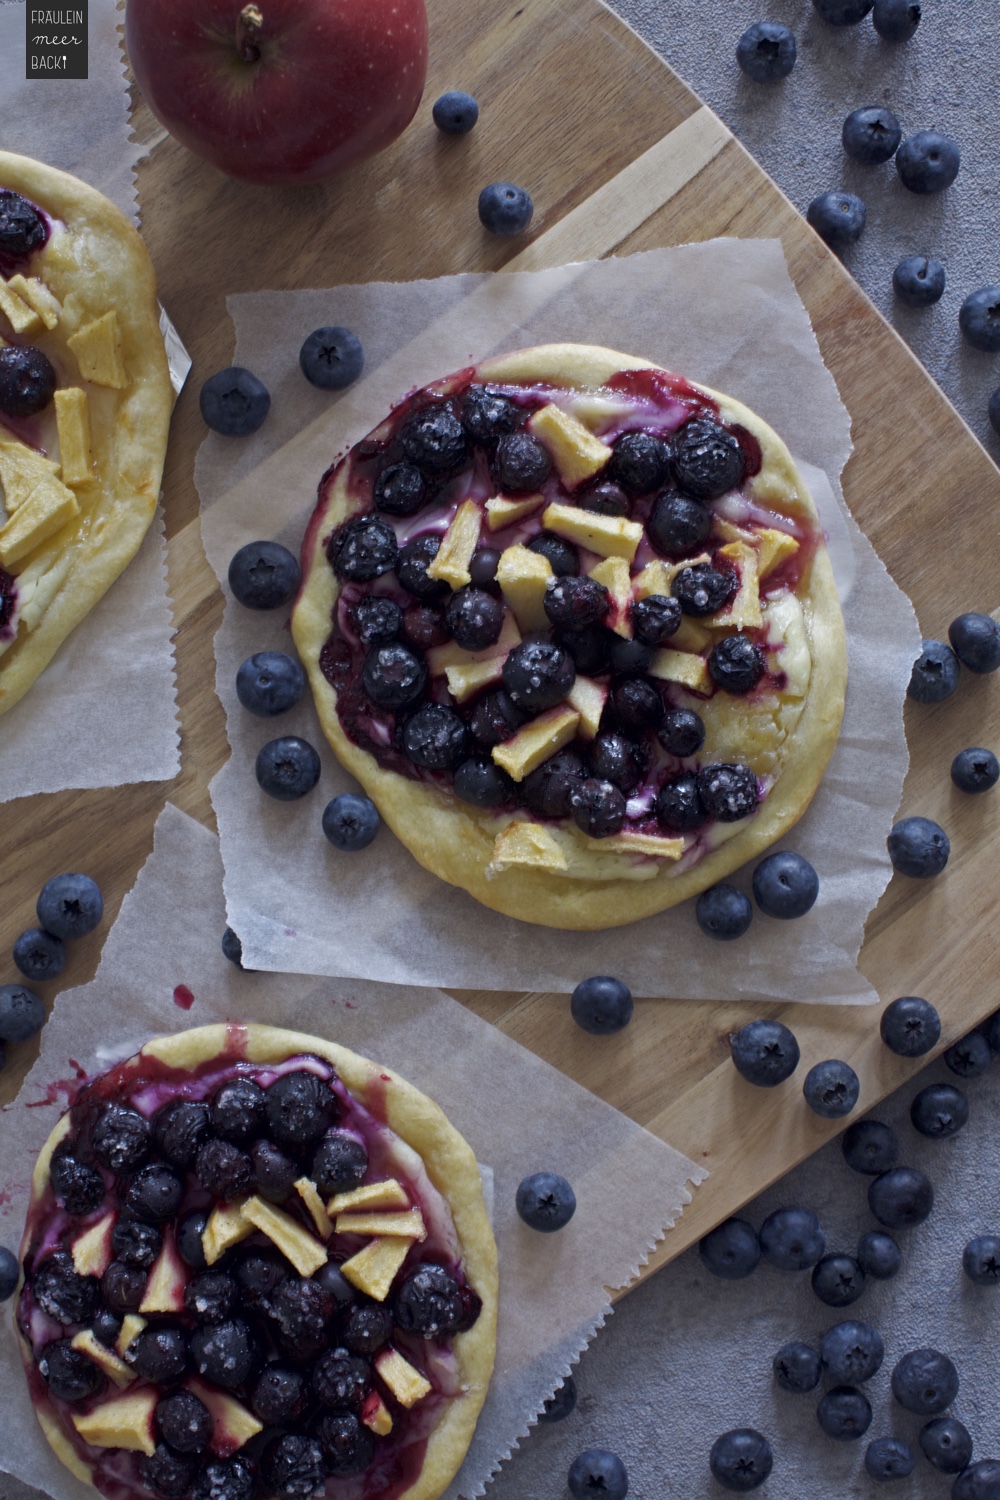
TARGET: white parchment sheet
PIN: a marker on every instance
(725, 313)
(519, 1114)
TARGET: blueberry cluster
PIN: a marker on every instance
(785, 885)
(235, 402)
(69, 906)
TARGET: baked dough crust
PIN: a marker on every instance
(456, 841)
(95, 261)
(451, 1167)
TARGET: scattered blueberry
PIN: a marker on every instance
(981, 1260)
(871, 135)
(598, 1472)
(935, 674)
(766, 52)
(9, 1274)
(331, 358)
(844, 1413)
(979, 320)
(560, 1403)
(785, 885)
(730, 1250)
(22, 1014)
(925, 1382)
(38, 955)
(232, 948)
(264, 575)
(946, 1444)
(975, 770)
(350, 821)
(918, 847)
(765, 1052)
(831, 1089)
(505, 208)
(851, 1352)
(971, 1057)
(993, 410)
(741, 1460)
(797, 1368)
(234, 402)
(843, 12)
(545, 1201)
(838, 218)
(455, 112)
(723, 912)
(601, 1005)
(980, 1481)
(896, 21)
(918, 280)
(270, 683)
(879, 1255)
(910, 1026)
(901, 1197)
(928, 162)
(939, 1111)
(975, 638)
(870, 1147)
(287, 768)
(27, 381)
(838, 1280)
(791, 1239)
(889, 1458)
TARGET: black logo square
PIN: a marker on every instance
(56, 43)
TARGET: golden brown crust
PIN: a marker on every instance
(97, 262)
(455, 841)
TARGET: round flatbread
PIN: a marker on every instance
(79, 481)
(414, 1390)
(571, 459)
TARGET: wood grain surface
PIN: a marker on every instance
(619, 156)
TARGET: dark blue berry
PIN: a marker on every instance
(264, 575)
(364, 548)
(435, 737)
(22, 1014)
(981, 1260)
(293, 1466)
(135, 1243)
(537, 675)
(377, 619)
(918, 847)
(223, 1170)
(572, 602)
(728, 792)
(682, 732)
(598, 807)
(393, 676)
(765, 1053)
(901, 1198)
(766, 52)
(655, 619)
(348, 1447)
(889, 1458)
(785, 885)
(69, 906)
(9, 1273)
(274, 1173)
(153, 1194)
(831, 1089)
(62, 1292)
(637, 705)
(707, 460)
(939, 1111)
(946, 1444)
(270, 683)
(980, 1481)
(505, 208)
(736, 665)
(455, 112)
(234, 402)
(226, 1353)
(189, 1242)
(589, 648)
(432, 1304)
(797, 1368)
(604, 498)
(844, 1413)
(487, 416)
(400, 490)
(211, 1297)
(741, 1460)
(340, 1163)
(482, 783)
(299, 1310)
(910, 1026)
(896, 21)
(122, 1287)
(27, 381)
(843, 12)
(280, 1395)
(851, 1352)
(837, 217)
(341, 1380)
(39, 955)
(791, 1239)
(597, 1472)
(475, 618)
(184, 1422)
(925, 1382)
(871, 135)
(678, 525)
(562, 1401)
(971, 1057)
(723, 912)
(563, 557)
(601, 1005)
(928, 162)
(870, 1147)
(434, 440)
(107, 1327)
(879, 1255)
(730, 1250)
(350, 821)
(679, 807)
(615, 758)
(77, 1188)
(545, 1201)
(975, 638)
(640, 462)
(838, 1280)
(331, 358)
(918, 280)
(159, 1354)
(975, 770)
(521, 463)
(629, 658)
(287, 768)
(22, 228)
(366, 1328)
(935, 673)
(121, 1138)
(301, 1107)
(68, 1373)
(232, 948)
(483, 566)
(991, 1030)
(224, 1479)
(166, 1472)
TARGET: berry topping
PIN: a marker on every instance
(331, 358)
(431, 1304)
(136, 1244)
(234, 402)
(223, 1170)
(562, 555)
(274, 1173)
(975, 770)
(259, 1273)
(879, 1255)
(68, 1373)
(548, 791)
(928, 162)
(590, 648)
(678, 525)
(655, 618)
(280, 1395)
(975, 639)
(340, 1163)
(121, 1138)
(601, 1005)
(597, 1472)
(598, 807)
(708, 460)
(505, 208)
(414, 560)
(189, 1243)
(270, 683)
(679, 806)
(925, 1381)
(910, 1026)
(482, 783)
(293, 1466)
(393, 676)
(362, 549)
(224, 1479)
(435, 737)
(211, 1297)
(575, 602)
(741, 1459)
(702, 589)
(27, 381)
(341, 1379)
(640, 462)
(159, 1354)
(332, 1279)
(538, 675)
(348, 1448)
(475, 618)
(22, 1014)
(287, 768)
(226, 1353)
(935, 673)
(628, 658)
(939, 1111)
(184, 1422)
(901, 1198)
(238, 1110)
(785, 885)
(487, 416)
(153, 1195)
(39, 955)
(560, 1403)
(350, 821)
(765, 1053)
(871, 135)
(735, 664)
(919, 281)
(682, 732)
(545, 1201)
(301, 1310)
(724, 913)
(838, 218)
(78, 1188)
(377, 619)
(637, 705)
(434, 441)
(122, 1287)
(455, 112)
(730, 1250)
(797, 1368)
(62, 1293)
(728, 792)
(483, 569)
(179, 1129)
(918, 847)
(520, 463)
(766, 52)
(264, 575)
(400, 490)
(366, 1328)
(614, 758)
(495, 718)
(22, 228)
(869, 1147)
(605, 498)
(300, 1106)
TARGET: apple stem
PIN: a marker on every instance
(249, 24)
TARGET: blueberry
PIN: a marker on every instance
(736, 665)
(435, 738)
(655, 619)
(838, 218)
(184, 1422)
(400, 490)
(78, 1189)
(980, 1481)
(640, 462)
(879, 1255)
(844, 1413)
(223, 1170)
(678, 525)
(728, 792)
(434, 440)
(707, 459)
(723, 912)
(837, 1280)
(475, 618)
(22, 228)
(615, 758)
(589, 648)
(487, 416)
(731, 1250)
(975, 770)
(226, 1353)
(869, 1147)
(766, 52)
(562, 1401)
(991, 1030)
(9, 1273)
(520, 463)
(505, 208)
(925, 1382)
(280, 1395)
(340, 1163)
(598, 807)
(121, 1138)
(287, 768)
(910, 1026)
(481, 783)
(843, 12)
(545, 1201)
(393, 676)
(946, 1444)
(889, 1458)
(597, 1472)
(411, 569)
(918, 847)
(785, 885)
(628, 658)
(601, 1005)
(135, 1243)
(791, 1239)
(935, 674)
(364, 548)
(637, 705)
(455, 112)
(928, 162)
(224, 1479)
(293, 1466)
(211, 1297)
(300, 1311)
(981, 1260)
(166, 1472)
(274, 1173)
(348, 1448)
(62, 1292)
(975, 638)
(39, 955)
(301, 1107)
(765, 1053)
(851, 1352)
(423, 624)
(22, 1014)
(107, 1327)
(971, 1057)
(189, 1242)
(232, 948)
(350, 821)
(797, 1368)
(939, 1111)
(548, 791)
(234, 402)
(431, 1304)
(562, 555)
(702, 589)
(159, 1354)
(153, 1194)
(341, 1380)
(331, 358)
(682, 732)
(264, 575)
(68, 1373)
(483, 568)
(896, 21)
(918, 280)
(993, 410)
(573, 602)
(604, 498)
(122, 1287)
(537, 675)
(377, 620)
(741, 1459)
(831, 1089)
(871, 135)
(901, 1197)
(270, 683)
(27, 381)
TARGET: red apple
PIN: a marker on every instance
(280, 92)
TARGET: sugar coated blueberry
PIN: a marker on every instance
(723, 912)
(340, 1163)
(765, 1052)
(731, 1250)
(975, 638)
(970, 1057)
(563, 557)
(741, 1460)
(548, 791)
(871, 135)
(918, 847)
(331, 358)
(348, 1447)
(979, 319)
(223, 1170)
(350, 821)
(597, 1472)
(797, 1367)
(844, 1413)
(400, 490)
(341, 1380)
(728, 792)
(785, 885)
(22, 1014)
(562, 1401)
(62, 1293)
(637, 705)
(234, 402)
(616, 758)
(656, 618)
(226, 1353)
(411, 569)
(293, 1466)
(545, 1201)
(121, 1138)
(270, 683)
(831, 1089)
(39, 955)
(475, 618)
(9, 1273)
(520, 463)
(766, 52)
(287, 768)
(393, 676)
(707, 459)
(678, 525)
(279, 1396)
(935, 673)
(946, 1444)
(435, 737)
(888, 1458)
(598, 807)
(851, 1352)
(838, 218)
(601, 1005)
(78, 1188)
(184, 1422)
(135, 1243)
(22, 228)
(153, 1194)
(300, 1108)
(505, 208)
(482, 783)
(910, 1026)
(224, 1479)
(981, 1260)
(736, 664)
(901, 1197)
(975, 770)
(362, 549)
(68, 1373)
(870, 1147)
(159, 1354)
(879, 1255)
(27, 381)
(455, 112)
(939, 1111)
(264, 575)
(432, 1304)
(928, 162)
(537, 675)
(896, 20)
(487, 415)
(925, 1381)
(919, 280)
(572, 602)
(791, 1239)
(166, 1472)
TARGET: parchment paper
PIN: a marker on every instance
(725, 313)
(519, 1114)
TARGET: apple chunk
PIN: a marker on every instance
(526, 844)
(451, 563)
(309, 1193)
(294, 1242)
(465, 682)
(652, 845)
(683, 667)
(614, 574)
(232, 1424)
(611, 536)
(21, 316)
(588, 697)
(123, 1422)
(73, 427)
(525, 751)
(578, 454)
(132, 1326)
(37, 295)
(374, 1267)
(776, 547)
(406, 1384)
(501, 511)
(375, 1415)
(523, 576)
(50, 505)
(409, 1225)
(98, 350)
(743, 609)
(92, 1252)
(167, 1280)
(114, 1368)
(225, 1228)
(388, 1194)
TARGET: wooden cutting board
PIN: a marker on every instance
(619, 156)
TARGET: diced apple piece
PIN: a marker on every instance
(451, 654)
(457, 546)
(98, 351)
(730, 533)
(501, 512)
(743, 609)
(309, 1193)
(21, 316)
(122, 1422)
(375, 1415)
(523, 575)
(528, 844)
(525, 751)
(233, 1424)
(373, 1268)
(225, 1228)
(92, 1252)
(683, 667)
(38, 296)
(132, 1326)
(611, 536)
(613, 572)
(776, 547)
(588, 698)
(650, 844)
(47, 509)
(690, 636)
(167, 1279)
(464, 682)
(22, 469)
(406, 1384)
(114, 1368)
(73, 426)
(408, 1226)
(294, 1242)
(388, 1194)
(577, 452)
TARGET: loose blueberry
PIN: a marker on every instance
(975, 638)
(22, 1014)
(68, 1373)
(431, 1304)
(350, 821)
(159, 1354)
(889, 1458)
(971, 1057)
(797, 1368)
(520, 463)
(843, 12)
(39, 955)
(78, 1188)
(838, 218)
(153, 1194)
(736, 665)
(728, 792)
(573, 602)
(946, 1444)
(939, 1111)
(702, 589)
(656, 618)
(487, 416)
(765, 1053)
(785, 885)
(601, 1005)
(562, 1401)
(844, 1413)
(545, 1201)
(910, 1026)
(348, 1447)
(270, 683)
(331, 358)
(365, 548)
(678, 525)
(598, 1472)
(766, 52)
(455, 112)
(871, 135)
(879, 1255)
(896, 21)
(981, 1260)
(562, 555)
(234, 402)
(741, 1460)
(918, 847)
(184, 1422)
(928, 162)
(708, 460)
(791, 1239)
(537, 675)
(935, 674)
(232, 948)
(975, 770)
(340, 1163)
(27, 381)
(121, 1138)
(9, 1273)
(870, 1147)
(505, 208)
(723, 912)
(851, 1352)
(980, 1481)
(731, 1250)
(640, 462)
(901, 1198)
(287, 768)
(682, 732)
(22, 228)
(135, 1243)
(918, 280)
(475, 618)
(264, 575)
(434, 440)
(925, 1382)
(598, 807)
(831, 1089)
